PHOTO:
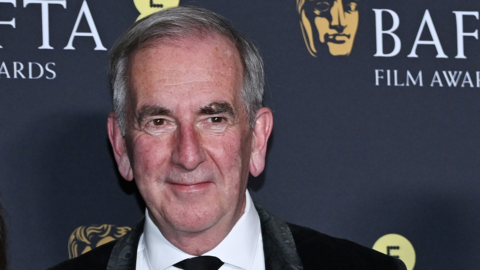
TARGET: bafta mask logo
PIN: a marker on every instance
(147, 7)
(332, 23)
(85, 238)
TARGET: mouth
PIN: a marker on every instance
(337, 38)
(190, 187)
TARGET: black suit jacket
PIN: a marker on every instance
(286, 247)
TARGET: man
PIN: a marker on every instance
(331, 22)
(189, 127)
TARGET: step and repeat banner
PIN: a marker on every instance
(376, 138)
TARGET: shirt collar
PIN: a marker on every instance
(238, 248)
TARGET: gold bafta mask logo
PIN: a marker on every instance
(147, 7)
(85, 238)
(328, 22)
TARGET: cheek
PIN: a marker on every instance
(149, 155)
(227, 153)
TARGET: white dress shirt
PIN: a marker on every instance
(241, 249)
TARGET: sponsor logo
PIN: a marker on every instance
(426, 26)
(427, 39)
(33, 70)
(397, 246)
(330, 27)
(30, 70)
(85, 238)
(147, 7)
(437, 78)
(328, 23)
(83, 14)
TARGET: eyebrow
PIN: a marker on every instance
(151, 110)
(217, 108)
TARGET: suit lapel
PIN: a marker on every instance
(278, 244)
(124, 254)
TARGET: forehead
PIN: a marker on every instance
(188, 64)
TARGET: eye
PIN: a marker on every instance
(157, 126)
(214, 124)
(158, 122)
(217, 119)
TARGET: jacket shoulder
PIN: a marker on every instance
(320, 251)
(96, 259)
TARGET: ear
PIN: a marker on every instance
(261, 133)
(119, 147)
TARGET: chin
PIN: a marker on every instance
(194, 220)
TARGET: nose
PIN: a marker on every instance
(338, 16)
(187, 151)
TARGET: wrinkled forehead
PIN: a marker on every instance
(222, 48)
(172, 60)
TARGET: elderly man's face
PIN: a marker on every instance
(334, 21)
(189, 143)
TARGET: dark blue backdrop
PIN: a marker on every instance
(348, 157)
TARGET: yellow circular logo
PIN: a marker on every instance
(397, 246)
(147, 7)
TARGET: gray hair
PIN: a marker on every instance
(184, 22)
